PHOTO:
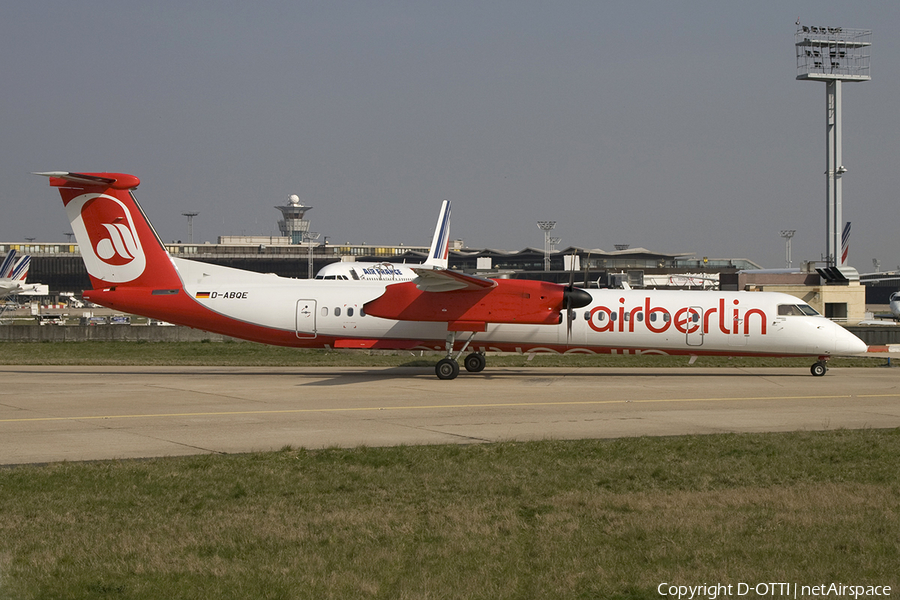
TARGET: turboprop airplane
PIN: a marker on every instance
(131, 271)
(388, 272)
(13, 274)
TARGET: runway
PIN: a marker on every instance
(50, 414)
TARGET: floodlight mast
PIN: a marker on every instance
(833, 55)
(190, 222)
(546, 226)
(787, 234)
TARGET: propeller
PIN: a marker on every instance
(573, 298)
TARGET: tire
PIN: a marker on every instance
(446, 368)
(475, 362)
(818, 369)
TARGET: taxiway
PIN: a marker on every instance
(55, 413)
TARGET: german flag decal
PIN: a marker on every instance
(202, 295)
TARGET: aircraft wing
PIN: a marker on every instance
(443, 280)
(886, 316)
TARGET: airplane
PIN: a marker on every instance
(13, 274)
(389, 272)
(893, 306)
(131, 271)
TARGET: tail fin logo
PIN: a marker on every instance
(106, 234)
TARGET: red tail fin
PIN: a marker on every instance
(118, 244)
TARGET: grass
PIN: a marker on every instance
(583, 519)
(251, 354)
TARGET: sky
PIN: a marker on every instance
(679, 127)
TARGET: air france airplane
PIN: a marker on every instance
(387, 272)
(13, 274)
(131, 270)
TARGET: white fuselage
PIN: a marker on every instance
(322, 313)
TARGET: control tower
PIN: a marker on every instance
(833, 55)
(293, 225)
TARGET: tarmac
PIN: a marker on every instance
(64, 413)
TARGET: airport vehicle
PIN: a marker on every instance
(131, 271)
(13, 273)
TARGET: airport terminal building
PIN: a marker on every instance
(60, 266)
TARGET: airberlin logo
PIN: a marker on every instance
(106, 234)
(734, 320)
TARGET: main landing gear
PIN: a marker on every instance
(818, 368)
(448, 368)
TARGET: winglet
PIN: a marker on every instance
(440, 243)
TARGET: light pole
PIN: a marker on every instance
(546, 227)
(787, 234)
(310, 237)
(190, 218)
(833, 55)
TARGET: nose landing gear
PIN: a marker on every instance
(818, 368)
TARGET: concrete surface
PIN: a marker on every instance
(83, 413)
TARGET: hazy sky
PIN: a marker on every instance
(676, 126)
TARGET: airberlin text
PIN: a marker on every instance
(734, 320)
(712, 591)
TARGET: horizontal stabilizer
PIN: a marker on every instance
(119, 181)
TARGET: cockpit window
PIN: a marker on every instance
(808, 310)
(798, 310)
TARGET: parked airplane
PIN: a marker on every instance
(388, 272)
(893, 306)
(131, 271)
(13, 274)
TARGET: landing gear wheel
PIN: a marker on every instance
(475, 362)
(818, 369)
(446, 368)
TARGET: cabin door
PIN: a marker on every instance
(693, 326)
(306, 319)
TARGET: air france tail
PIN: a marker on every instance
(440, 243)
(15, 270)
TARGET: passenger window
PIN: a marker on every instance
(362, 312)
(640, 317)
(337, 311)
(587, 315)
(350, 311)
(324, 311)
(601, 316)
